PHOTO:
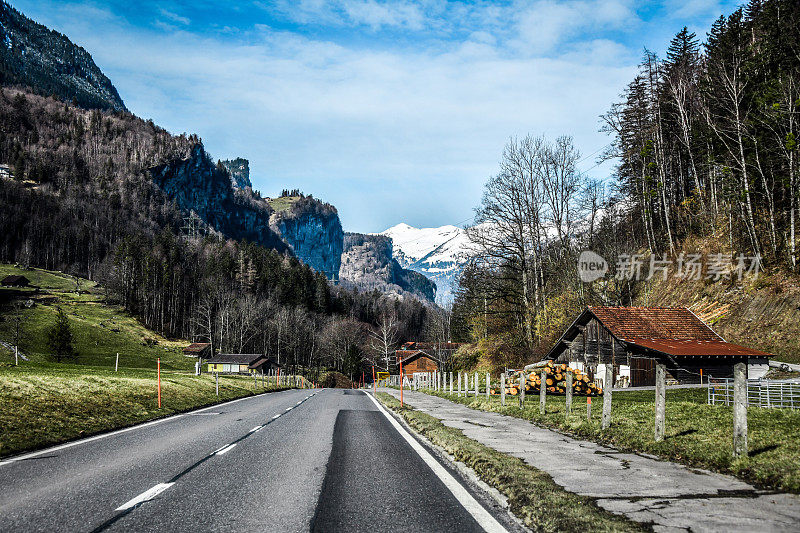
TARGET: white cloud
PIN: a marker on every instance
(174, 17)
(385, 135)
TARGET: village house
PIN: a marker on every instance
(241, 363)
(201, 350)
(15, 281)
(630, 341)
(421, 357)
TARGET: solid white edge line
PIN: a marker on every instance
(66, 445)
(225, 449)
(478, 512)
(147, 495)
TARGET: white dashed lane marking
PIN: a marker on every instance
(147, 495)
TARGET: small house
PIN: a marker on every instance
(416, 361)
(201, 350)
(15, 281)
(233, 363)
(264, 364)
(630, 341)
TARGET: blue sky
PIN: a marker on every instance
(393, 111)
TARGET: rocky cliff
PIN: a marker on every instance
(312, 230)
(32, 55)
(197, 185)
(367, 263)
(239, 169)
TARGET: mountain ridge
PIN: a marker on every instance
(438, 253)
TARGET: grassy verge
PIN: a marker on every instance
(532, 495)
(697, 434)
(42, 405)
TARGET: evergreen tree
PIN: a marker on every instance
(59, 338)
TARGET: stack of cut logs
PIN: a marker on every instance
(555, 380)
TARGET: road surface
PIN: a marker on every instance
(299, 460)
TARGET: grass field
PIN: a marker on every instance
(45, 404)
(697, 434)
(532, 495)
(100, 330)
(284, 203)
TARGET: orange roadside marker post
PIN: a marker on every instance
(374, 383)
(401, 383)
(159, 383)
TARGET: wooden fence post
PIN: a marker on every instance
(607, 384)
(488, 380)
(542, 392)
(661, 401)
(521, 389)
(503, 388)
(739, 410)
(568, 404)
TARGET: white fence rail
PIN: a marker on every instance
(760, 393)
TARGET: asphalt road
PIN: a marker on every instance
(325, 460)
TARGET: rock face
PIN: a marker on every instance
(240, 172)
(196, 184)
(367, 264)
(32, 55)
(313, 231)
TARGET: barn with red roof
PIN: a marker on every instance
(630, 341)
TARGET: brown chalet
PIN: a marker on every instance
(198, 349)
(424, 356)
(414, 361)
(630, 341)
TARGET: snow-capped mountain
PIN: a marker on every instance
(438, 253)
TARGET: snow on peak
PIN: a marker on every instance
(438, 253)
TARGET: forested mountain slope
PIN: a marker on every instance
(35, 56)
(705, 141)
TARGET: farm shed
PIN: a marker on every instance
(415, 361)
(234, 363)
(264, 364)
(198, 349)
(15, 281)
(630, 341)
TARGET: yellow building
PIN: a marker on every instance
(241, 363)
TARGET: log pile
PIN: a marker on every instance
(555, 381)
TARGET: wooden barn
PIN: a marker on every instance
(415, 361)
(201, 350)
(630, 341)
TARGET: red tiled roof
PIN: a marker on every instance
(677, 323)
(696, 347)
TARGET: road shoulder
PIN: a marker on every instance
(641, 488)
(530, 494)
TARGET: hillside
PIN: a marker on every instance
(100, 329)
(763, 313)
(33, 55)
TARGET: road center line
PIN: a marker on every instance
(147, 495)
(225, 450)
(478, 512)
